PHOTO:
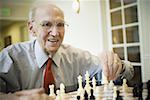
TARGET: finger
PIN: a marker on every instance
(119, 69)
(118, 72)
(104, 62)
(110, 57)
(115, 65)
(115, 69)
(106, 70)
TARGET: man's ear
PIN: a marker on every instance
(31, 28)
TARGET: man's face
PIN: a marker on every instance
(48, 27)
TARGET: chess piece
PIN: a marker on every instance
(111, 85)
(135, 92)
(104, 79)
(106, 88)
(114, 92)
(125, 86)
(85, 95)
(62, 88)
(58, 97)
(118, 96)
(94, 83)
(78, 97)
(140, 90)
(52, 94)
(87, 86)
(62, 91)
(92, 97)
(80, 89)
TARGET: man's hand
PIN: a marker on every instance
(36, 97)
(30, 92)
(111, 65)
(34, 94)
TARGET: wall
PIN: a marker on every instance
(104, 20)
(14, 31)
(84, 29)
(145, 37)
(1, 41)
(17, 11)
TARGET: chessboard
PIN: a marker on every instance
(107, 91)
(100, 94)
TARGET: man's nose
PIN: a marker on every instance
(53, 31)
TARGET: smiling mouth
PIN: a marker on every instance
(53, 40)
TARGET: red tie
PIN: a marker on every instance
(48, 77)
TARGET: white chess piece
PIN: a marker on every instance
(114, 92)
(125, 86)
(87, 86)
(94, 83)
(62, 91)
(62, 88)
(52, 94)
(104, 79)
(58, 97)
(111, 85)
(80, 89)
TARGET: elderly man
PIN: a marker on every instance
(25, 67)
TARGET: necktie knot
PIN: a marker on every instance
(48, 65)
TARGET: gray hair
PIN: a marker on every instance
(39, 4)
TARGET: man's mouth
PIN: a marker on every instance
(53, 40)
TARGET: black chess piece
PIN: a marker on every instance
(135, 93)
(92, 97)
(85, 96)
(140, 90)
(78, 97)
(118, 96)
(148, 90)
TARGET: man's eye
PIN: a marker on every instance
(60, 25)
(48, 24)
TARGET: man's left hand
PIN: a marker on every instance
(111, 65)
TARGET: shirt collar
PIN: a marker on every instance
(57, 57)
(42, 57)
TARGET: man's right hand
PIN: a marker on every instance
(30, 92)
(33, 94)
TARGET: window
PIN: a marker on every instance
(124, 26)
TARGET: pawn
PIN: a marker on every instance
(78, 97)
(85, 95)
(114, 92)
(118, 96)
(92, 97)
(58, 97)
(52, 94)
(125, 86)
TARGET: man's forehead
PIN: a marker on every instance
(48, 10)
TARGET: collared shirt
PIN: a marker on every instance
(22, 66)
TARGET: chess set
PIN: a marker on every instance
(107, 91)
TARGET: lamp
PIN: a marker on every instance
(76, 6)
